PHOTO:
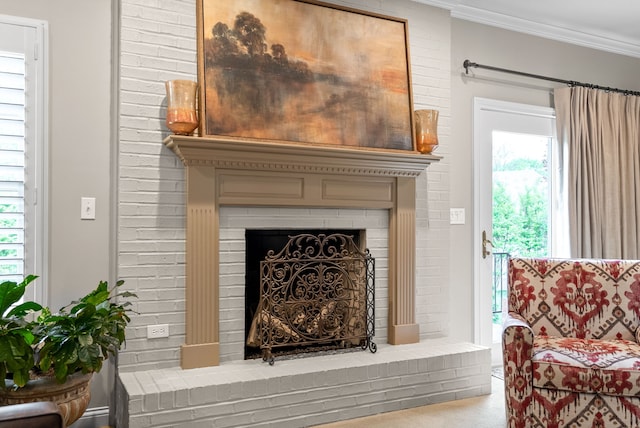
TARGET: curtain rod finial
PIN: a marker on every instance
(466, 64)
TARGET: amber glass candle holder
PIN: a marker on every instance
(182, 117)
(426, 130)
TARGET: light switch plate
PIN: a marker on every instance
(88, 208)
(456, 216)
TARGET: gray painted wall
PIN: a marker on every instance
(501, 48)
(80, 144)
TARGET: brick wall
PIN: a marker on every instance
(158, 43)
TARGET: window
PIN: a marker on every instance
(22, 152)
(522, 194)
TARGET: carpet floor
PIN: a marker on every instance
(486, 411)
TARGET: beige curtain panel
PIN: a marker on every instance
(600, 134)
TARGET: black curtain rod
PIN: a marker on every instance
(467, 64)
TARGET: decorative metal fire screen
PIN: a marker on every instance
(318, 291)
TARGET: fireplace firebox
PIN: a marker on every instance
(307, 291)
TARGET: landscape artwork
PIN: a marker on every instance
(304, 72)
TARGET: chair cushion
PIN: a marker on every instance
(610, 367)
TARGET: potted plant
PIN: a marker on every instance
(57, 353)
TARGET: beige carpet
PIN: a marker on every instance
(486, 411)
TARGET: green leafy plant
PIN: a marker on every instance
(79, 337)
(16, 336)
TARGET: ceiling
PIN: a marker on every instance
(610, 26)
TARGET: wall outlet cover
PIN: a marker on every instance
(157, 330)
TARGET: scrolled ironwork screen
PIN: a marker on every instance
(318, 290)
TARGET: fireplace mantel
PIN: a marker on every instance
(272, 156)
(251, 173)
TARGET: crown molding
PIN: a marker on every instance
(580, 38)
(593, 40)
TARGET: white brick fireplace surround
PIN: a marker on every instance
(235, 185)
(158, 43)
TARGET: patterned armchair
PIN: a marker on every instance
(570, 343)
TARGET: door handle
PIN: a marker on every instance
(486, 252)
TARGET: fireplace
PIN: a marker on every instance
(307, 291)
(233, 186)
(230, 173)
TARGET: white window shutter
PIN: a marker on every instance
(12, 166)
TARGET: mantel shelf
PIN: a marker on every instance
(256, 155)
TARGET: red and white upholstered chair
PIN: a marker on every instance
(570, 343)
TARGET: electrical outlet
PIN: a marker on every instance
(158, 330)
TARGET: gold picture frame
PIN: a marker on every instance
(302, 71)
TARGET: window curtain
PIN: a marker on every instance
(600, 134)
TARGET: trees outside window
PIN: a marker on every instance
(521, 206)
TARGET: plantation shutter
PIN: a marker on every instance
(12, 166)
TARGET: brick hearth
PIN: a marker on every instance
(305, 391)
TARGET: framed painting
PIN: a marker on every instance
(305, 72)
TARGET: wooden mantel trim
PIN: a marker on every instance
(252, 173)
(242, 154)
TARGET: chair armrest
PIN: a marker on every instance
(513, 319)
(517, 341)
(43, 414)
(517, 351)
